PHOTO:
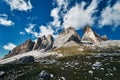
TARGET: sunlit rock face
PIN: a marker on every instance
(25, 47)
(92, 36)
(65, 36)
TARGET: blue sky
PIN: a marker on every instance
(24, 19)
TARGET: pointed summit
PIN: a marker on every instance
(65, 36)
(91, 36)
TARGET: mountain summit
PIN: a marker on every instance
(92, 36)
(65, 36)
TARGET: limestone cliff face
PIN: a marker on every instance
(65, 36)
(91, 36)
(37, 44)
(50, 42)
(44, 43)
(25, 47)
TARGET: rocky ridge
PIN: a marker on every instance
(41, 43)
(68, 37)
(25, 47)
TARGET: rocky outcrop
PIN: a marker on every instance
(44, 43)
(91, 36)
(37, 44)
(104, 38)
(65, 36)
(25, 59)
(43, 75)
(25, 47)
(2, 73)
(50, 42)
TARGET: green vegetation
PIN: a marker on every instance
(73, 50)
(77, 67)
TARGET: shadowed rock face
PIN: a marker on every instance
(65, 36)
(37, 44)
(91, 36)
(50, 42)
(25, 47)
(44, 43)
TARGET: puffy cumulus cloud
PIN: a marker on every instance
(43, 30)
(78, 16)
(54, 13)
(46, 30)
(30, 30)
(58, 11)
(9, 46)
(4, 20)
(110, 15)
(20, 5)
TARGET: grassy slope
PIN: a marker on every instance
(75, 67)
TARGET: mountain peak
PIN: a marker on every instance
(65, 36)
(92, 36)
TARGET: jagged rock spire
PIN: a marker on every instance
(92, 36)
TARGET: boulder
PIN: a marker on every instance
(104, 38)
(2, 73)
(25, 59)
(44, 76)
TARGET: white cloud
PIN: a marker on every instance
(78, 17)
(46, 30)
(4, 20)
(111, 15)
(57, 12)
(30, 30)
(54, 13)
(21, 5)
(9, 46)
(22, 33)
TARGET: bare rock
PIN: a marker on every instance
(92, 36)
(44, 75)
(44, 42)
(65, 36)
(24, 59)
(50, 42)
(2, 73)
(25, 47)
(37, 44)
(104, 38)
